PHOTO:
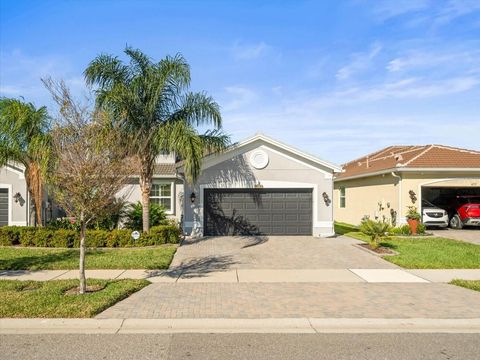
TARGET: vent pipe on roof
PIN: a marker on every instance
(368, 165)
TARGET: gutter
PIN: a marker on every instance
(399, 195)
(400, 169)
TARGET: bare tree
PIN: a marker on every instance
(89, 166)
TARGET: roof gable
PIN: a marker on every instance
(260, 139)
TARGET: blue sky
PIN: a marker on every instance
(335, 78)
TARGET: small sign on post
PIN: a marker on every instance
(135, 235)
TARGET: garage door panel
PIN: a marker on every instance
(258, 211)
(4, 207)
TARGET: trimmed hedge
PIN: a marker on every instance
(64, 238)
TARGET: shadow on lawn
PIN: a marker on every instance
(42, 261)
(37, 262)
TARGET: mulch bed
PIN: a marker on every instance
(380, 250)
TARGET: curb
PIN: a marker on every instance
(268, 325)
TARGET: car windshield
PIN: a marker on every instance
(427, 203)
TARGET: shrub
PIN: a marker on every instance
(64, 223)
(375, 230)
(134, 218)
(401, 230)
(63, 238)
(9, 235)
(412, 213)
(95, 238)
(404, 230)
(47, 237)
(168, 233)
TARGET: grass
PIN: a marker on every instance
(433, 253)
(469, 284)
(18, 258)
(423, 253)
(47, 299)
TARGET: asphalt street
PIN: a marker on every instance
(241, 346)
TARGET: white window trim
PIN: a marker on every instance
(10, 201)
(172, 195)
(344, 196)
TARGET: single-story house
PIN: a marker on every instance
(258, 186)
(385, 183)
(261, 185)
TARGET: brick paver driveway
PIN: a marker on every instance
(273, 252)
(199, 258)
(471, 235)
(286, 300)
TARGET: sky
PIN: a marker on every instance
(337, 79)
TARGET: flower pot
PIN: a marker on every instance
(413, 226)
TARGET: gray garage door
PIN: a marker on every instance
(3, 207)
(258, 211)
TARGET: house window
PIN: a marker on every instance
(162, 194)
(342, 197)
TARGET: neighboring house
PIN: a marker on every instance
(385, 183)
(15, 205)
(261, 186)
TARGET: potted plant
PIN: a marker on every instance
(413, 219)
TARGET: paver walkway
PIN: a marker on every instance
(298, 300)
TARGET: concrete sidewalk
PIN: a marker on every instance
(257, 275)
(274, 325)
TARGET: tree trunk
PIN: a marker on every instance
(145, 186)
(83, 280)
(34, 183)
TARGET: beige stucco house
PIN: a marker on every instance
(383, 184)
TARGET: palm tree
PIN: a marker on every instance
(157, 114)
(24, 139)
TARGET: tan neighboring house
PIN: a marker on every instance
(383, 184)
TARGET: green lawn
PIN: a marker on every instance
(424, 252)
(433, 253)
(18, 258)
(469, 284)
(47, 299)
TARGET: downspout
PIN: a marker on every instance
(399, 196)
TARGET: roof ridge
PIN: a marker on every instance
(456, 148)
(368, 155)
(412, 148)
(429, 147)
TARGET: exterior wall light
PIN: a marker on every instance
(193, 197)
(326, 198)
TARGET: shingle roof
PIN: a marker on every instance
(165, 169)
(412, 156)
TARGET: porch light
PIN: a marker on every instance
(17, 197)
(326, 198)
(193, 197)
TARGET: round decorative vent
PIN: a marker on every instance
(259, 159)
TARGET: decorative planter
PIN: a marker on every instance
(413, 226)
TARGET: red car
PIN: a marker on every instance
(466, 211)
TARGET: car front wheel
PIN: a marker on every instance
(456, 222)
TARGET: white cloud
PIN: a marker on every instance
(238, 97)
(249, 51)
(387, 9)
(359, 62)
(412, 88)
